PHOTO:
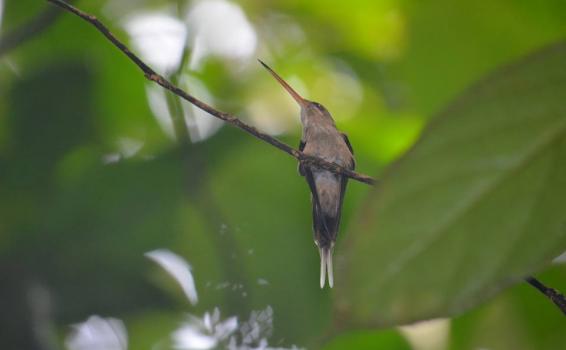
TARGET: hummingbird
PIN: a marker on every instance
(321, 138)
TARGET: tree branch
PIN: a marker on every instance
(228, 118)
(555, 296)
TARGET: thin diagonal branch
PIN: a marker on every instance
(555, 296)
(228, 118)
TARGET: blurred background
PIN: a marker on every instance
(131, 220)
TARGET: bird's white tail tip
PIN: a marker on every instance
(326, 266)
(322, 267)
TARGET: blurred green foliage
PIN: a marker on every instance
(77, 225)
(491, 181)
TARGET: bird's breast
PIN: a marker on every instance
(326, 144)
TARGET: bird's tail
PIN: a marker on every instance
(326, 265)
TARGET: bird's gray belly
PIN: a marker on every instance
(328, 188)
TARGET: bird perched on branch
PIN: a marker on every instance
(321, 139)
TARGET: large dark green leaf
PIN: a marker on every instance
(442, 57)
(477, 204)
(517, 319)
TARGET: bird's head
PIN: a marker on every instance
(310, 110)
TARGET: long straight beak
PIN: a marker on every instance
(301, 101)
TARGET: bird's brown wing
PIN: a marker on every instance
(344, 181)
(349, 145)
(302, 145)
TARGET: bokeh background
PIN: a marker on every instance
(99, 167)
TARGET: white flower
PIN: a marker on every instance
(98, 333)
(178, 268)
(205, 333)
(220, 28)
(159, 38)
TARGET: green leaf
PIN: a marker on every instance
(520, 318)
(471, 39)
(361, 340)
(476, 205)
